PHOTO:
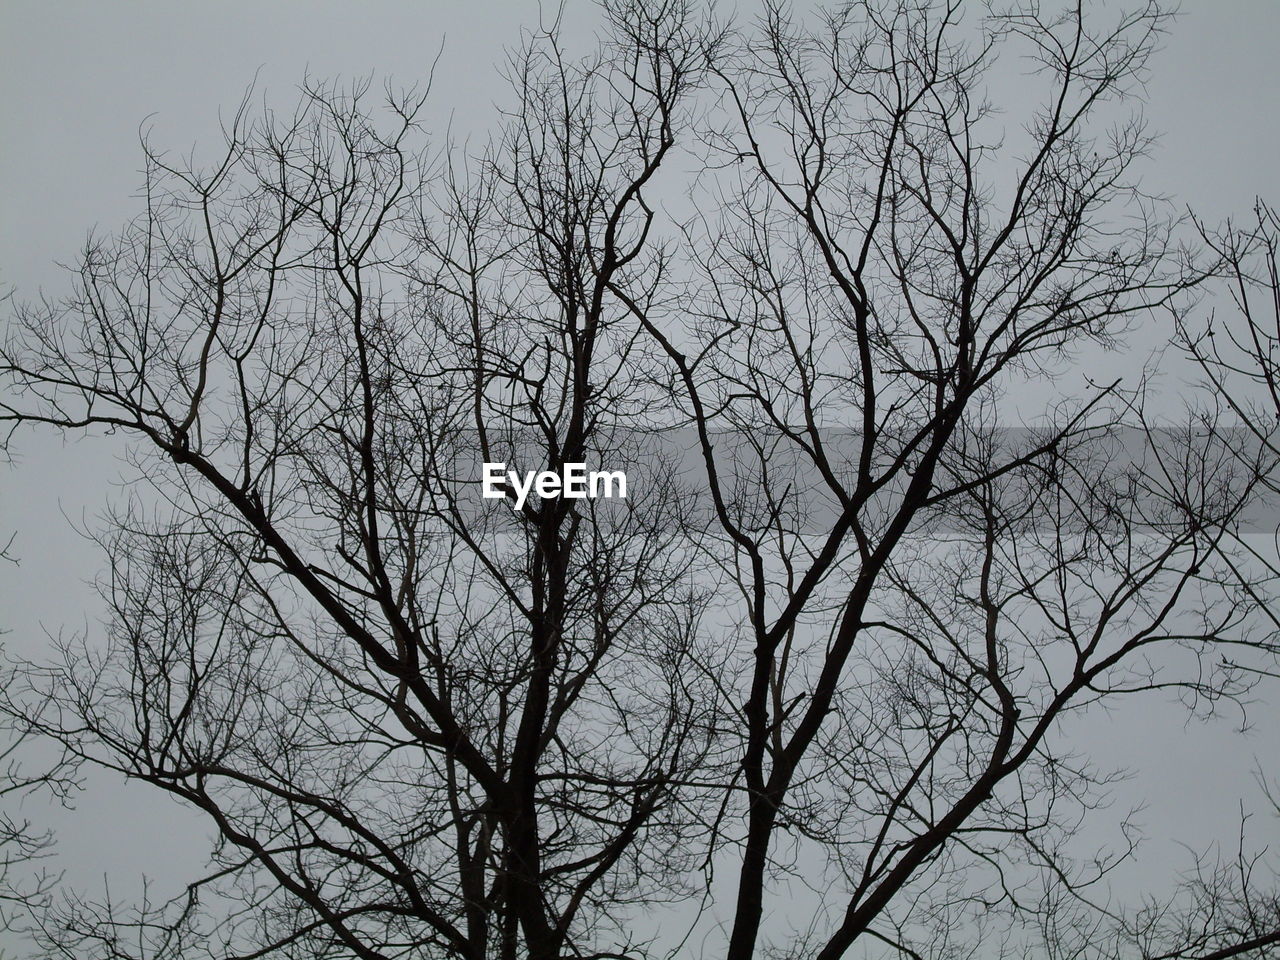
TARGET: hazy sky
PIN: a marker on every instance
(77, 79)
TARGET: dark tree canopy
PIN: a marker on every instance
(796, 276)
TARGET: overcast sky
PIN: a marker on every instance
(80, 78)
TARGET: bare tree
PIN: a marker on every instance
(876, 266)
(1238, 350)
(1233, 906)
(25, 884)
(1224, 908)
(838, 653)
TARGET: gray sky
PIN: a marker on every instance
(78, 78)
